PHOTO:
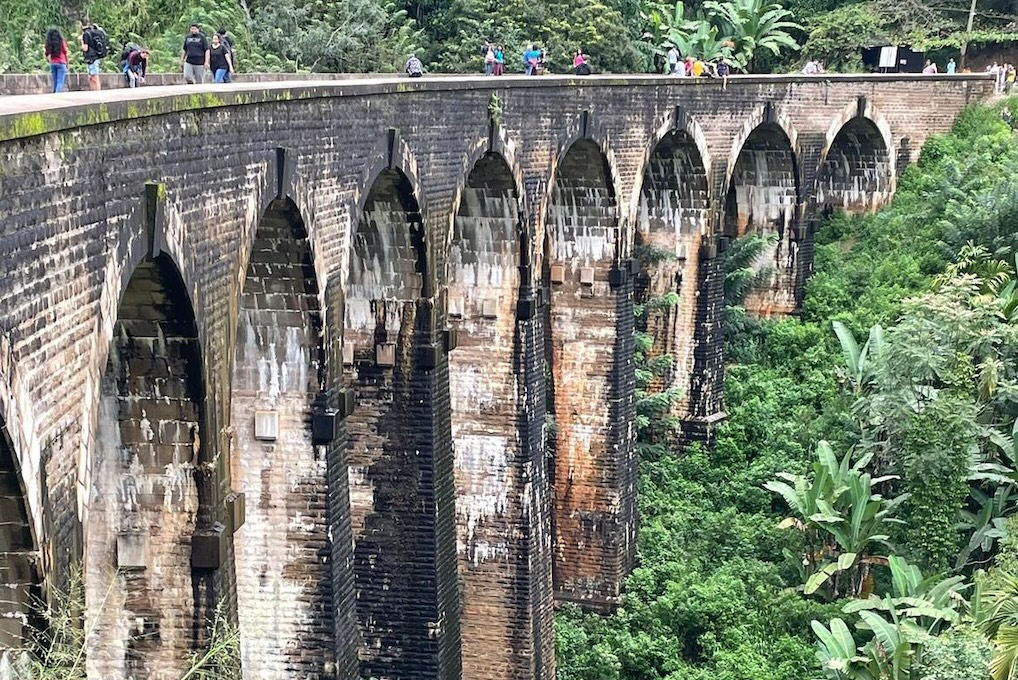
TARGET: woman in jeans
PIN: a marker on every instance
(220, 60)
(56, 53)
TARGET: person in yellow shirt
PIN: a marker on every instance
(698, 68)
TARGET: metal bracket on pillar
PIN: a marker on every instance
(618, 275)
(236, 510)
(285, 168)
(768, 113)
(450, 339)
(526, 308)
(723, 243)
(391, 147)
(634, 266)
(585, 124)
(429, 356)
(681, 118)
(155, 213)
(860, 107)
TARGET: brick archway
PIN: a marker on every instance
(856, 172)
(763, 197)
(151, 494)
(400, 458)
(672, 220)
(278, 372)
(589, 326)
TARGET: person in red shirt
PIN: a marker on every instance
(56, 53)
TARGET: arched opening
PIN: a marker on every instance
(392, 458)
(589, 350)
(278, 371)
(149, 490)
(856, 174)
(20, 591)
(762, 198)
(490, 458)
(671, 220)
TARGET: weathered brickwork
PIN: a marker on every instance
(278, 372)
(857, 174)
(493, 459)
(19, 577)
(400, 462)
(593, 525)
(146, 480)
(672, 220)
(125, 241)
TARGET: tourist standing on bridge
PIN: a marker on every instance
(220, 60)
(228, 41)
(194, 57)
(499, 60)
(489, 60)
(56, 54)
(581, 63)
(95, 45)
(673, 61)
(951, 66)
(930, 68)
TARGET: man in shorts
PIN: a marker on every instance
(194, 57)
(94, 46)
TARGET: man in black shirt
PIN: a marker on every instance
(194, 57)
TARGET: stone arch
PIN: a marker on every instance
(763, 183)
(17, 433)
(148, 485)
(20, 563)
(585, 130)
(763, 196)
(400, 457)
(589, 324)
(672, 220)
(278, 373)
(856, 171)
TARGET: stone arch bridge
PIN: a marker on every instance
(353, 360)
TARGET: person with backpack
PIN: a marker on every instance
(136, 67)
(95, 46)
(194, 56)
(56, 54)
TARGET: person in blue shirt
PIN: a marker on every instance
(950, 66)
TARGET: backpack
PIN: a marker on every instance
(128, 48)
(100, 42)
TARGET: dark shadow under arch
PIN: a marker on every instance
(20, 576)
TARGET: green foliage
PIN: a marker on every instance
(934, 472)
(960, 654)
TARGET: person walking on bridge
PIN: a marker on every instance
(221, 60)
(194, 57)
(56, 55)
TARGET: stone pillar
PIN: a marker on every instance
(590, 352)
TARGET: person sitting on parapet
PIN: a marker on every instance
(414, 68)
(136, 67)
